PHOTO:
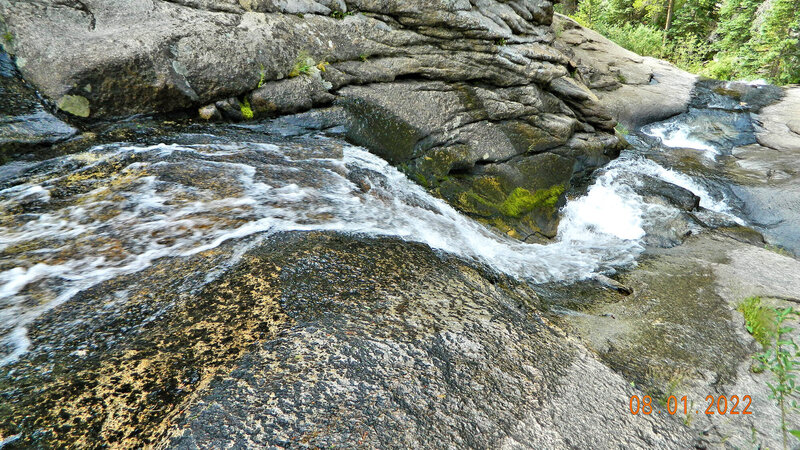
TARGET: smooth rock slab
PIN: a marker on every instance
(393, 347)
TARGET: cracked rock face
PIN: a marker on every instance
(469, 98)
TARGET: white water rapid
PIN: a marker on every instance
(72, 222)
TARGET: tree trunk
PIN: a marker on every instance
(669, 21)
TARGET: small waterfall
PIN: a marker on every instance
(76, 221)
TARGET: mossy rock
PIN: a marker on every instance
(522, 201)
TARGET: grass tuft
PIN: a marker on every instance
(759, 320)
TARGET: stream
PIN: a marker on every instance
(72, 222)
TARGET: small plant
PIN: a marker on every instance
(321, 66)
(262, 74)
(687, 420)
(781, 358)
(758, 319)
(363, 57)
(339, 15)
(302, 65)
(559, 29)
(8, 37)
(621, 129)
(501, 42)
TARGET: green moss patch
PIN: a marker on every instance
(522, 201)
(247, 112)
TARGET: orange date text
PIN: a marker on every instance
(732, 405)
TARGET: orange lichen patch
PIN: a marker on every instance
(128, 397)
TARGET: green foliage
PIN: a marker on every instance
(262, 75)
(724, 39)
(781, 358)
(339, 15)
(522, 201)
(590, 12)
(247, 112)
(759, 320)
(302, 65)
(640, 39)
(722, 67)
(689, 54)
(363, 57)
(8, 37)
(501, 42)
(621, 129)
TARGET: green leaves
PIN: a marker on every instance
(726, 39)
(781, 358)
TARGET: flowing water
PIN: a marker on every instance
(69, 223)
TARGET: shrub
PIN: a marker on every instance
(722, 67)
(782, 361)
(640, 39)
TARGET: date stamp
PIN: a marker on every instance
(716, 405)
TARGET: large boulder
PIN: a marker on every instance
(317, 341)
(469, 98)
(636, 89)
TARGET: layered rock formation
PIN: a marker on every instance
(469, 98)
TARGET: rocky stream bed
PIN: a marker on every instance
(436, 239)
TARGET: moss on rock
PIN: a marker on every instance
(522, 201)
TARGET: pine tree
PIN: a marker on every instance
(777, 43)
(735, 23)
(590, 12)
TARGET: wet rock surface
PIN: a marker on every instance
(319, 339)
(741, 142)
(503, 156)
(679, 333)
(24, 122)
(509, 128)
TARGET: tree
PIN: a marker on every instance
(777, 43)
(590, 12)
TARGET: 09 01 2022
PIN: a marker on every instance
(732, 405)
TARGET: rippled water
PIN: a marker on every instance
(72, 222)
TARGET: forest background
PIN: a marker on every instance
(722, 39)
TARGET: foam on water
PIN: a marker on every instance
(172, 200)
(676, 135)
